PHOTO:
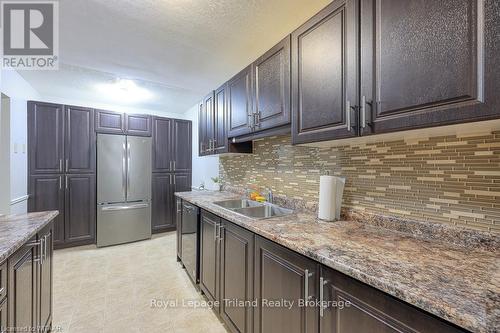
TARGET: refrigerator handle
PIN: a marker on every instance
(128, 166)
(124, 170)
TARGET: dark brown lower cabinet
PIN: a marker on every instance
(178, 214)
(283, 275)
(29, 293)
(209, 252)
(80, 209)
(164, 185)
(22, 291)
(3, 315)
(353, 307)
(44, 293)
(46, 192)
(74, 197)
(236, 277)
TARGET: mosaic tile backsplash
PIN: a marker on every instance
(449, 179)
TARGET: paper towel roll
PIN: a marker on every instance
(331, 189)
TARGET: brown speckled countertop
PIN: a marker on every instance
(460, 284)
(15, 230)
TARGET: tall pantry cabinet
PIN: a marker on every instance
(61, 169)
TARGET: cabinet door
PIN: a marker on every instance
(162, 217)
(178, 214)
(80, 143)
(182, 146)
(271, 77)
(325, 74)
(109, 122)
(138, 124)
(236, 275)
(3, 315)
(80, 209)
(209, 254)
(220, 121)
(363, 309)
(45, 138)
(45, 279)
(281, 274)
(206, 125)
(162, 142)
(426, 63)
(46, 192)
(182, 182)
(22, 296)
(239, 103)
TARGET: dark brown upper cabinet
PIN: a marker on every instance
(325, 74)
(206, 125)
(80, 142)
(138, 124)
(182, 145)
(239, 103)
(271, 90)
(428, 63)
(45, 138)
(220, 141)
(109, 122)
(162, 151)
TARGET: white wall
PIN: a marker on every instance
(4, 155)
(203, 167)
(18, 92)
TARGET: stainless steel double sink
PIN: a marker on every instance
(254, 209)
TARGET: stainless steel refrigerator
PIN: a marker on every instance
(123, 189)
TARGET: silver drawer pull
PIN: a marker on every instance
(348, 115)
(363, 112)
(125, 207)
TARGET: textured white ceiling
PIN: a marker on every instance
(180, 49)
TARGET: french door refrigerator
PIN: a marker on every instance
(123, 189)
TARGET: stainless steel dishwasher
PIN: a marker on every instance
(190, 240)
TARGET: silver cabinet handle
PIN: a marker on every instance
(216, 235)
(128, 166)
(67, 165)
(124, 169)
(363, 111)
(251, 118)
(348, 115)
(60, 165)
(179, 210)
(322, 283)
(170, 179)
(173, 177)
(307, 275)
(170, 165)
(46, 237)
(60, 182)
(114, 208)
(221, 230)
(42, 250)
(66, 182)
(256, 119)
(174, 165)
(2, 290)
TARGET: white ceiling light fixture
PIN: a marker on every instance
(124, 90)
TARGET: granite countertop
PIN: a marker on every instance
(15, 230)
(460, 284)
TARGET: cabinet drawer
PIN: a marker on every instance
(3, 280)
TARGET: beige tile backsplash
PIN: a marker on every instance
(445, 179)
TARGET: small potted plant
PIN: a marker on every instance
(218, 182)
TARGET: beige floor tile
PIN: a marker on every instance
(110, 290)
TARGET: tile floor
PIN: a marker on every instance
(111, 289)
